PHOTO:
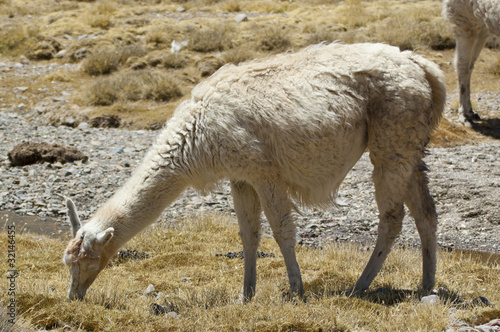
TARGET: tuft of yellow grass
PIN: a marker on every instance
(200, 289)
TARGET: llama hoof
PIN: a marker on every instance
(468, 120)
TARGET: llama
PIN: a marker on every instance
(474, 21)
(285, 130)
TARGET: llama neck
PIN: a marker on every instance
(139, 202)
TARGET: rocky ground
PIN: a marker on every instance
(464, 180)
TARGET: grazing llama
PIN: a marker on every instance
(474, 21)
(285, 129)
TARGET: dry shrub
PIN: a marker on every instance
(215, 38)
(109, 59)
(274, 38)
(161, 34)
(409, 33)
(174, 61)
(239, 54)
(134, 86)
(318, 34)
(352, 14)
(17, 37)
(494, 67)
(100, 16)
(232, 6)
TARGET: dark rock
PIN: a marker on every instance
(240, 254)
(126, 255)
(28, 153)
(105, 121)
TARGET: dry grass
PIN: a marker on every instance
(109, 59)
(214, 38)
(134, 86)
(201, 288)
(97, 34)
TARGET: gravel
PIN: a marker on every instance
(464, 180)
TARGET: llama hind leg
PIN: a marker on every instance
(468, 48)
(421, 206)
(277, 208)
(390, 187)
(248, 210)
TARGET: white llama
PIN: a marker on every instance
(474, 21)
(285, 129)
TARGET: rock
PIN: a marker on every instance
(60, 54)
(24, 60)
(83, 125)
(105, 121)
(149, 290)
(81, 54)
(18, 89)
(241, 18)
(158, 309)
(480, 301)
(431, 299)
(70, 122)
(177, 46)
(28, 153)
(172, 315)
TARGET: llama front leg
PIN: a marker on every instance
(277, 208)
(248, 210)
(423, 210)
(468, 48)
(389, 189)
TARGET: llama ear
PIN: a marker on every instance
(104, 236)
(73, 217)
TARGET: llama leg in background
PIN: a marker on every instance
(248, 210)
(278, 210)
(468, 48)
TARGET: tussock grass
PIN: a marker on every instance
(494, 67)
(201, 289)
(101, 14)
(174, 61)
(274, 38)
(109, 59)
(239, 54)
(214, 38)
(134, 86)
(17, 36)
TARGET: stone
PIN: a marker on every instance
(150, 290)
(28, 153)
(430, 300)
(241, 18)
(60, 54)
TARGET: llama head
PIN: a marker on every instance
(84, 255)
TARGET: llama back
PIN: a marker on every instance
(300, 118)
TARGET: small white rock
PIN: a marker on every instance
(241, 18)
(431, 299)
(149, 290)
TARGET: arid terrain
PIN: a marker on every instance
(103, 76)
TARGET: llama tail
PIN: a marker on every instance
(435, 77)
